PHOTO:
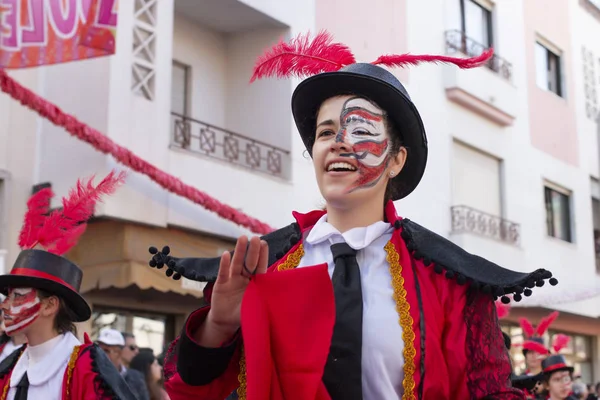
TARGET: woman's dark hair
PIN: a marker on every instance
(142, 362)
(63, 322)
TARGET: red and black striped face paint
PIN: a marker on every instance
(362, 126)
(21, 308)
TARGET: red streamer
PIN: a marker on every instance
(125, 156)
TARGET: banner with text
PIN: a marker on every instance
(42, 32)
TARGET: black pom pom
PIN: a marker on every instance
(169, 272)
(498, 291)
(153, 250)
(417, 255)
(505, 299)
(539, 283)
(177, 276)
(460, 279)
(547, 275)
(426, 261)
(553, 281)
(449, 274)
(166, 250)
(397, 224)
(171, 263)
(486, 289)
(517, 297)
(527, 292)
(279, 255)
(294, 239)
(405, 235)
(152, 263)
(438, 269)
(159, 265)
(475, 285)
(530, 284)
(518, 289)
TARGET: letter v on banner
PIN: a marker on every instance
(43, 32)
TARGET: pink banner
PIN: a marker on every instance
(42, 32)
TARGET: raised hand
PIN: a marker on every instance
(223, 319)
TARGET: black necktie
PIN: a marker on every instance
(22, 388)
(343, 372)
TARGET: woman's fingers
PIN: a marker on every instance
(239, 254)
(252, 256)
(263, 259)
(224, 266)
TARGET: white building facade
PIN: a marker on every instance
(513, 159)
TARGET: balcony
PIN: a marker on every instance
(468, 220)
(458, 42)
(218, 143)
(488, 92)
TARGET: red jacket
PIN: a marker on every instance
(89, 375)
(287, 323)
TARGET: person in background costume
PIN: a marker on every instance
(9, 344)
(527, 383)
(535, 350)
(557, 375)
(43, 303)
(350, 302)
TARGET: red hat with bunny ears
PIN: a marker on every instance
(534, 336)
(56, 233)
(335, 72)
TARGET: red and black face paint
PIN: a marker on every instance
(21, 309)
(362, 126)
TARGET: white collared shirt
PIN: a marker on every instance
(45, 365)
(382, 350)
(8, 349)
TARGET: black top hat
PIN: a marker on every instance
(379, 86)
(42, 270)
(554, 363)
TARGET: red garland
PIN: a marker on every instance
(125, 156)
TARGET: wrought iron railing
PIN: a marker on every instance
(212, 141)
(467, 219)
(458, 41)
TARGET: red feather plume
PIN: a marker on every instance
(63, 228)
(535, 346)
(403, 60)
(502, 309)
(302, 57)
(560, 342)
(37, 208)
(545, 323)
(527, 327)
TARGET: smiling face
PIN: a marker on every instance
(353, 152)
(21, 308)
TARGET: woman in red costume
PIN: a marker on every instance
(43, 303)
(351, 302)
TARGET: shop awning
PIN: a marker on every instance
(123, 274)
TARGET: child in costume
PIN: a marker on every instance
(350, 302)
(535, 351)
(43, 303)
(557, 375)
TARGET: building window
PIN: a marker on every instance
(477, 22)
(558, 213)
(180, 80)
(548, 72)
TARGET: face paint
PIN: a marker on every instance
(362, 126)
(21, 310)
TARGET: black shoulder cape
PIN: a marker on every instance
(444, 256)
